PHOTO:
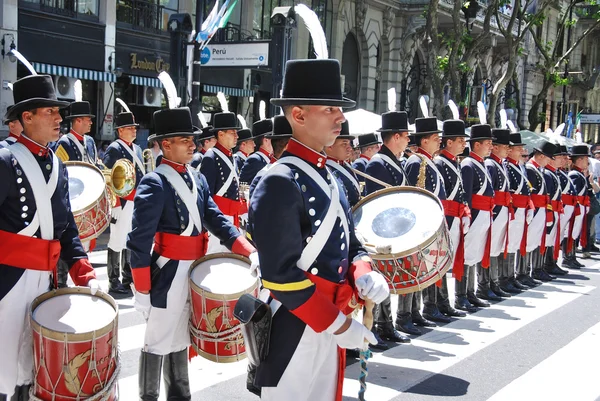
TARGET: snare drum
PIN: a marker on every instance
(89, 199)
(74, 345)
(410, 220)
(217, 282)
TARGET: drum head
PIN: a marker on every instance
(403, 217)
(86, 185)
(74, 313)
(223, 276)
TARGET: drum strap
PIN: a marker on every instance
(438, 176)
(389, 161)
(485, 174)
(134, 155)
(232, 172)
(265, 157)
(567, 187)
(458, 177)
(42, 191)
(503, 171)
(312, 250)
(189, 197)
(345, 172)
(85, 156)
(241, 155)
(540, 176)
(8, 141)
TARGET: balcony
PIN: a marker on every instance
(141, 14)
(76, 9)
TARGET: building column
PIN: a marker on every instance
(108, 16)
(8, 70)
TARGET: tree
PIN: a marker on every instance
(553, 55)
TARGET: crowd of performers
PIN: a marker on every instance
(507, 219)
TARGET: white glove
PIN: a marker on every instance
(529, 217)
(255, 264)
(372, 286)
(94, 286)
(142, 304)
(466, 224)
(357, 335)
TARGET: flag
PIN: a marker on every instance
(569, 124)
(578, 122)
(208, 22)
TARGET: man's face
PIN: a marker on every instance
(515, 152)
(456, 146)
(228, 138)
(431, 144)
(179, 149)
(44, 125)
(340, 149)
(247, 146)
(501, 151)
(583, 163)
(322, 124)
(210, 143)
(561, 161)
(483, 148)
(82, 125)
(15, 127)
(597, 155)
(542, 160)
(128, 134)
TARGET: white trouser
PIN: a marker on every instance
(167, 328)
(122, 227)
(16, 368)
(550, 238)
(455, 233)
(515, 231)
(565, 218)
(578, 224)
(499, 232)
(535, 230)
(214, 243)
(476, 238)
(312, 371)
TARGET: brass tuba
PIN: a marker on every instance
(149, 162)
(120, 180)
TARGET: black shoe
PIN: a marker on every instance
(487, 294)
(450, 311)
(463, 303)
(555, 270)
(478, 302)
(578, 263)
(175, 376)
(118, 288)
(149, 376)
(570, 264)
(594, 248)
(509, 287)
(541, 275)
(405, 324)
(388, 333)
(421, 321)
(435, 315)
(499, 291)
(518, 285)
(353, 352)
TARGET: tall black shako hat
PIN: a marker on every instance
(125, 119)
(580, 150)
(312, 82)
(480, 132)
(281, 128)
(345, 132)
(454, 129)
(368, 140)
(169, 123)
(262, 128)
(548, 149)
(225, 121)
(33, 92)
(243, 135)
(515, 139)
(501, 136)
(394, 121)
(80, 109)
(426, 126)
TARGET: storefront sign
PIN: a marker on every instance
(589, 118)
(236, 55)
(147, 63)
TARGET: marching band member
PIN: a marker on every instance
(36, 227)
(262, 131)
(77, 145)
(579, 164)
(427, 140)
(569, 198)
(385, 166)
(369, 145)
(455, 208)
(219, 168)
(338, 155)
(311, 260)
(122, 212)
(173, 209)
(245, 147)
(536, 232)
(14, 129)
(479, 194)
(523, 213)
(206, 140)
(554, 231)
(488, 286)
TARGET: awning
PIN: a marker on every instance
(145, 81)
(89, 75)
(239, 92)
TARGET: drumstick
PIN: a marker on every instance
(365, 354)
(369, 177)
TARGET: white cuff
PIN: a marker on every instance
(337, 323)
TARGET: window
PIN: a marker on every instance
(232, 31)
(148, 14)
(71, 8)
(263, 9)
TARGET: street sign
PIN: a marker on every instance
(252, 54)
(589, 118)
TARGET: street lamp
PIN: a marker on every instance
(11, 47)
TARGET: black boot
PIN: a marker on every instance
(175, 373)
(475, 301)
(483, 287)
(149, 376)
(387, 332)
(126, 263)
(381, 345)
(432, 313)
(21, 394)
(405, 324)
(540, 274)
(62, 273)
(113, 268)
(509, 286)
(496, 289)
(419, 320)
(463, 303)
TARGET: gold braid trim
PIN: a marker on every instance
(422, 172)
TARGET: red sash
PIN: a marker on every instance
(557, 206)
(181, 247)
(524, 202)
(231, 208)
(486, 204)
(540, 201)
(27, 252)
(459, 210)
(502, 198)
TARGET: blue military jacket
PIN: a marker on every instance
(67, 149)
(255, 162)
(580, 183)
(475, 177)
(535, 176)
(116, 151)
(197, 159)
(566, 184)
(386, 167)
(517, 180)
(240, 158)
(19, 207)
(344, 173)
(498, 177)
(449, 169)
(434, 182)
(158, 208)
(360, 164)
(216, 171)
(554, 191)
(286, 210)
